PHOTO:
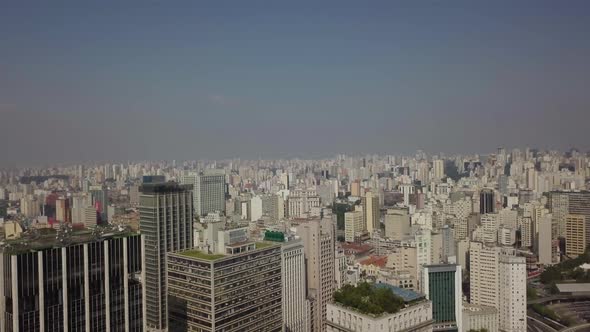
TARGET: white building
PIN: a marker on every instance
(416, 318)
(295, 306)
(255, 208)
(477, 317)
(512, 289)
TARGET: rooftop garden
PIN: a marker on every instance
(368, 299)
(201, 255)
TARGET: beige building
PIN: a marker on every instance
(353, 224)
(397, 224)
(371, 211)
(318, 241)
(576, 237)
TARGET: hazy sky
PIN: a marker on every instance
(129, 80)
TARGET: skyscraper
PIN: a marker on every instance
(353, 225)
(294, 302)
(442, 286)
(512, 289)
(72, 281)
(208, 190)
(487, 201)
(318, 241)
(166, 220)
(371, 212)
(438, 169)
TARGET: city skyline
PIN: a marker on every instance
(137, 81)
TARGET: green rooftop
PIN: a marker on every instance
(201, 255)
(369, 300)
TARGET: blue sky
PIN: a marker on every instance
(215, 79)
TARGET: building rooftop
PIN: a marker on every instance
(406, 294)
(573, 288)
(165, 187)
(45, 238)
(368, 299)
(201, 255)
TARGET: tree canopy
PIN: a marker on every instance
(368, 299)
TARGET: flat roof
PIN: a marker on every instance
(406, 294)
(201, 255)
(573, 288)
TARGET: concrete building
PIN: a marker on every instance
(483, 274)
(295, 307)
(512, 293)
(72, 280)
(208, 190)
(397, 224)
(544, 241)
(166, 221)
(416, 317)
(443, 287)
(353, 225)
(438, 169)
(300, 203)
(236, 291)
(371, 212)
(577, 234)
(318, 240)
(478, 317)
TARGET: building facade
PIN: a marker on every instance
(442, 286)
(166, 221)
(86, 282)
(232, 292)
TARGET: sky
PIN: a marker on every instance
(88, 81)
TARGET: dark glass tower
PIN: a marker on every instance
(486, 201)
(442, 286)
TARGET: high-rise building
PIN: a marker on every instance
(72, 281)
(438, 169)
(300, 203)
(208, 190)
(544, 241)
(239, 290)
(353, 225)
(371, 212)
(487, 201)
(564, 203)
(166, 221)
(100, 201)
(512, 297)
(294, 302)
(577, 234)
(397, 223)
(442, 286)
(318, 240)
(483, 274)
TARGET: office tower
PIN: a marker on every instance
(397, 223)
(100, 201)
(478, 317)
(74, 281)
(438, 169)
(318, 241)
(576, 234)
(255, 208)
(294, 302)
(165, 221)
(544, 241)
(526, 232)
(355, 188)
(449, 245)
(487, 201)
(300, 203)
(353, 225)
(407, 190)
(512, 297)
(564, 203)
(239, 290)
(490, 223)
(62, 210)
(208, 190)
(372, 212)
(442, 286)
(483, 274)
